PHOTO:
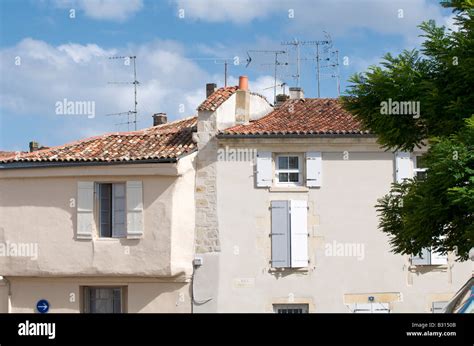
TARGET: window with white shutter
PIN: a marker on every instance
(85, 209)
(314, 169)
(403, 166)
(264, 169)
(134, 209)
(288, 170)
(299, 233)
(289, 234)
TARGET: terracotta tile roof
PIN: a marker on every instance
(303, 117)
(217, 98)
(167, 141)
(7, 154)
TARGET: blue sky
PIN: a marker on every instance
(46, 56)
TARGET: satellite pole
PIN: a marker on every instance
(135, 84)
(297, 44)
(317, 69)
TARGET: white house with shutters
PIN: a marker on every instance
(266, 208)
(102, 225)
(294, 227)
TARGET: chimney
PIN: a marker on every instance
(280, 99)
(210, 88)
(34, 146)
(159, 119)
(296, 93)
(242, 102)
(243, 83)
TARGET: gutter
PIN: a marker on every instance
(294, 135)
(28, 164)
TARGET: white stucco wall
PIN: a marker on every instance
(37, 210)
(240, 278)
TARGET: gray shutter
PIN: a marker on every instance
(423, 259)
(85, 209)
(118, 214)
(134, 209)
(280, 234)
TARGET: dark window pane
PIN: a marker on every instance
(294, 177)
(421, 175)
(420, 162)
(293, 162)
(283, 162)
(283, 177)
(105, 192)
(103, 300)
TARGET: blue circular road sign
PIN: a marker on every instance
(42, 306)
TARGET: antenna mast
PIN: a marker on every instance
(135, 84)
(276, 64)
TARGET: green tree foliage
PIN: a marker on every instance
(438, 210)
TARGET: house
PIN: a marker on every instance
(105, 224)
(247, 207)
(285, 217)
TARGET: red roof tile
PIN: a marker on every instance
(7, 154)
(305, 116)
(217, 98)
(167, 141)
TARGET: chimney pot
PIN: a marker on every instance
(34, 146)
(243, 83)
(296, 93)
(280, 99)
(159, 119)
(210, 88)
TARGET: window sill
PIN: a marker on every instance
(428, 267)
(289, 189)
(289, 270)
(109, 239)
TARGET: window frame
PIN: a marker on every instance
(277, 170)
(291, 306)
(417, 169)
(97, 192)
(86, 301)
(428, 262)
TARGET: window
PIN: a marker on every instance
(111, 198)
(289, 234)
(429, 257)
(370, 308)
(420, 170)
(288, 170)
(103, 300)
(437, 307)
(290, 308)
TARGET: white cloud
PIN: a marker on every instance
(337, 17)
(117, 10)
(48, 74)
(242, 11)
